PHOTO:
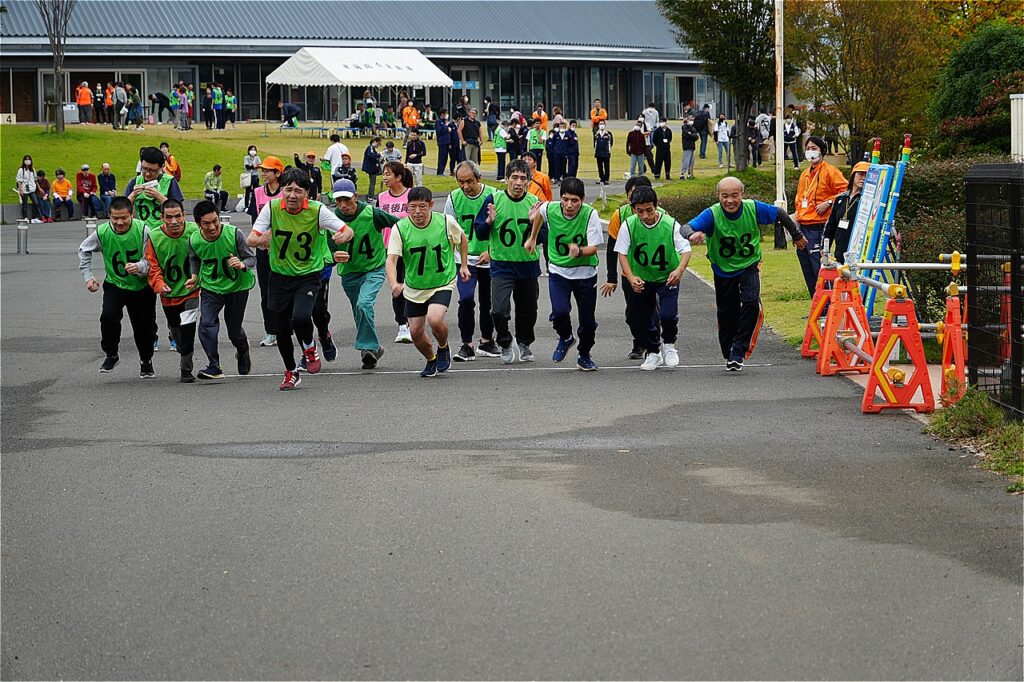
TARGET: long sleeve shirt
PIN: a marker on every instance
(213, 182)
(245, 254)
(326, 219)
(415, 150)
(108, 184)
(823, 182)
(92, 245)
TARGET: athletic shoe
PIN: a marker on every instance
(174, 346)
(291, 380)
(671, 355)
(652, 361)
(109, 363)
(525, 354)
(210, 373)
(156, 345)
(465, 354)
(301, 367)
(370, 358)
(187, 377)
(146, 370)
(35, 221)
(444, 359)
(244, 358)
(312, 359)
(403, 334)
(563, 348)
(488, 349)
(330, 350)
(734, 366)
(635, 354)
(586, 363)
(268, 340)
(430, 370)
(508, 355)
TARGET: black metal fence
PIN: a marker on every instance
(995, 283)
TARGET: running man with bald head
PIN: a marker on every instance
(731, 230)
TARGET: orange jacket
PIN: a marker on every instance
(540, 186)
(824, 182)
(83, 96)
(598, 115)
(543, 119)
(108, 97)
(156, 279)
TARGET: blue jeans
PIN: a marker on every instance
(721, 146)
(636, 164)
(810, 257)
(65, 206)
(703, 143)
(106, 203)
(562, 290)
(467, 304)
(362, 289)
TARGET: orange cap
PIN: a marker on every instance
(861, 167)
(311, 153)
(272, 163)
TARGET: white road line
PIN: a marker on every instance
(372, 372)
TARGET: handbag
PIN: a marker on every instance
(245, 180)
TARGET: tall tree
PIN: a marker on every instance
(866, 66)
(736, 41)
(56, 14)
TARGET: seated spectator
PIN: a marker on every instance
(108, 187)
(87, 192)
(62, 193)
(213, 188)
(43, 197)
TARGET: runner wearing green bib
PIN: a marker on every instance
(124, 287)
(653, 255)
(464, 205)
(500, 140)
(536, 139)
(361, 264)
(574, 238)
(167, 251)
(222, 265)
(292, 228)
(426, 241)
(149, 199)
(731, 229)
(505, 220)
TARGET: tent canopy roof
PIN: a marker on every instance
(356, 66)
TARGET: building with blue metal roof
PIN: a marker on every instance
(563, 54)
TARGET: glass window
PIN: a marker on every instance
(525, 89)
(508, 89)
(658, 95)
(595, 85)
(540, 89)
(671, 109)
(648, 88)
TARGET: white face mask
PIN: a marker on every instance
(663, 124)
(636, 127)
(812, 155)
(601, 127)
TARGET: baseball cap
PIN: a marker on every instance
(344, 188)
(310, 153)
(272, 163)
(85, 166)
(861, 167)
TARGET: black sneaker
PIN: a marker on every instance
(109, 363)
(444, 359)
(244, 358)
(465, 354)
(488, 349)
(733, 365)
(430, 370)
(369, 359)
(187, 377)
(210, 373)
(146, 370)
(330, 351)
(635, 354)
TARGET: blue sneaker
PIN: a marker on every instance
(156, 345)
(430, 370)
(329, 349)
(585, 363)
(444, 359)
(174, 346)
(562, 349)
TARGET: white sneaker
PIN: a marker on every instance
(403, 334)
(35, 220)
(652, 361)
(671, 355)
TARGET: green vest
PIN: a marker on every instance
(231, 102)
(466, 210)
(652, 250)
(563, 231)
(172, 255)
(215, 275)
(428, 255)
(148, 210)
(173, 97)
(511, 228)
(366, 250)
(735, 245)
(118, 251)
(533, 138)
(500, 143)
(297, 244)
(218, 96)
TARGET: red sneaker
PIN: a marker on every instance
(312, 359)
(291, 380)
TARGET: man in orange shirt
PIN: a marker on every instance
(83, 98)
(411, 117)
(597, 114)
(542, 115)
(108, 101)
(820, 184)
(540, 187)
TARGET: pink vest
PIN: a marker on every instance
(396, 206)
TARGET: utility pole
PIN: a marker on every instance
(780, 152)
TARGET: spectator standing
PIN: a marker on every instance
(443, 137)
(701, 121)
(251, 165)
(120, 106)
(753, 142)
(171, 164)
(764, 129)
(208, 108)
(346, 171)
(690, 137)
(455, 150)
(469, 136)
(722, 140)
(572, 151)
(108, 187)
(312, 169)
(372, 164)
(540, 114)
(636, 147)
(819, 185)
(26, 187)
(603, 142)
(501, 137)
(515, 139)
(134, 106)
(598, 115)
(158, 104)
(172, 97)
(86, 192)
(554, 138)
(99, 109)
(651, 117)
(43, 197)
(213, 188)
(791, 139)
(184, 109)
(62, 191)
(230, 107)
(334, 153)
(108, 102)
(493, 113)
(415, 152)
(662, 137)
(83, 98)
(218, 106)
(462, 108)
(556, 118)
(844, 212)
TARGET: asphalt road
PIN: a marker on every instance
(532, 522)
